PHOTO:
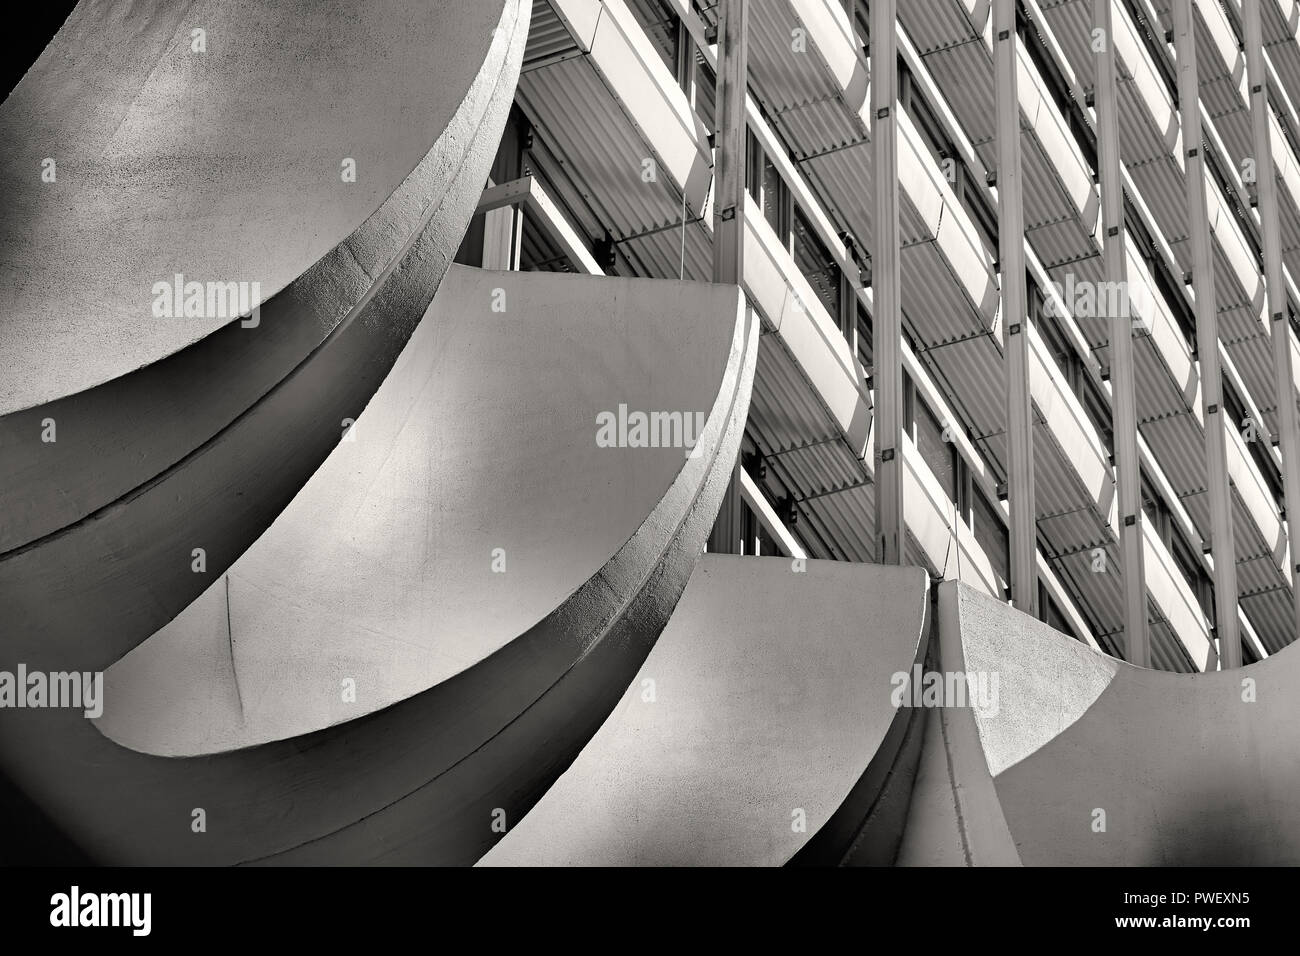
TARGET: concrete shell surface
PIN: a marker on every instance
(502, 692)
(201, 445)
(471, 499)
(1054, 776)
(221, 163)
(385, 560)
(764, 665)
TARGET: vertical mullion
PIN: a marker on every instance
(1207, 339)
(1288, 422)
(729, 218)
(1011, 255)
(1124, 405)
(885, 280)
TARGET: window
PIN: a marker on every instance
(1063, 354)
(660, 26)
(774, 201)
(1255, 437)
(816, 264)
(767, 188)
(1098, 413)
(865, 343)
(991, 534)
(1153, 507)
(1188, 563)
(753, 165)
(704, 91)
(1071, 366)
(1052, 614)
(938, 454)
(1248, 655)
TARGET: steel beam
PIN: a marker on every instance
(1011, 256)
(887, 329)
(729, 215)
(503, 227)
(1207, 340)
(1288, 425)
(502, 238)
(527, 193)
(768, 518)
(1124, 403)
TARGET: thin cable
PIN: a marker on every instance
(956, 538)
(681, 269)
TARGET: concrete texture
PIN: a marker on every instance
(419, 781)
(1196, 769)
(771, 694)
(1040, 695)
(933, 834)
(205, 446)
(223, 164)
(411, 509)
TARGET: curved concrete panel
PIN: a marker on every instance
(763, 703)
(411, 555)
(204, 446)
(217, 155)
(421, 779)
(1091, 761)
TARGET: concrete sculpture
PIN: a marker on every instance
(1058, 777)
(141, 448)
(386, 561)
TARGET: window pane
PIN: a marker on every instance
(753, 155)
(660, 27)
(704, 92)
(991, 535)
(1098, 414)
(938, 454)
(1053, 617)
(865, 343)
(772, 192)
(816, 264)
